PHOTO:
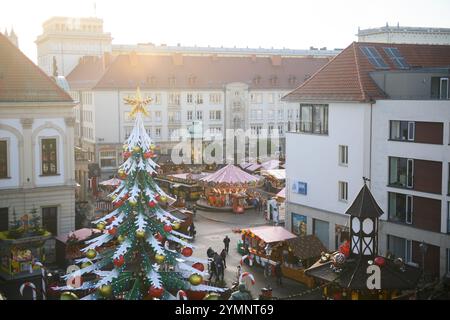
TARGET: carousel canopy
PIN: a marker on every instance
(270, 234)
(271, 164)
(111, 182)
(279, 174)
(230, 174)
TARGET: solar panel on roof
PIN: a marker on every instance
(374, 57)
(397, 58)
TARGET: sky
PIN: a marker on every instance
(294, 24)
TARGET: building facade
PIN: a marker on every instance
(399, 34)
(36, 145)
(210, 91)
(369, 114)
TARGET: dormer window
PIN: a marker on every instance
(257, 80)
(192, 80)
(274, 80)
(292, 80)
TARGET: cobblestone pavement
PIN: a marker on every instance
(211, 229)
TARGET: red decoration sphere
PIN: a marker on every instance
(187, 252)
(112, 231)
(118, 203)
(126, 154)
(118, 262)
(380, 261)
(199, 266)
(111, 220)
(157, 197)
(159, 237)
(148, 155)
(152, 204)
(167, 228)
(155, 292)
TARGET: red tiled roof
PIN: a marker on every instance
(22, 81)
(88, 72)
(347, 76)
(154, 71)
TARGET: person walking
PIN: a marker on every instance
(223, 255)
(278, 274)
(226, 242)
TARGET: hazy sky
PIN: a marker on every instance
(295, 24)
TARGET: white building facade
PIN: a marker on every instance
(391, 126)
(399, 34)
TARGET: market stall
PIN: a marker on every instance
(183, 185)
(275, 179)
(227, 189)
(276, 207)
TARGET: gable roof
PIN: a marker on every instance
(177, 71)
(347, 76)
(22, 81)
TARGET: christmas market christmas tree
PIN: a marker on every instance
(139, 255)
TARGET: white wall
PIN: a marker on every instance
(407, 37)
(314, 159)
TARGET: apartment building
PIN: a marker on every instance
(380, 111)
(209, 91)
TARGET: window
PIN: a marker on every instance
(374, 57)
(158, 116)
(280, 114)
(199, 99)
(343, 155)
(255, 129)
(280, 129)
(108, 159)
(400, 208)
(4, 220)
(444, 89)
(400, 248)
(127, 131)
(402, 130)
(50, 219)
(271, 129)
(215, 98)
(3, 159)
(199, 115)
(174, 99)
(271, 98)
(157, 132)
(157, 98)
(48, 154)
(87, 98)
(215, 115)
(256, 97)
(314, 119)
(343, 191)
(189, 115)
(215, 130)
(290, 114)
(174, 116)
(397, 59)
(189, 98)
(321, 231)
(401, 172)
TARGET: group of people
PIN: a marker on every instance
(217, 262)
(260, 204)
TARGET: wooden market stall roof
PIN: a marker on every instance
(282, 193)
(270, 234)
(81, 234)
(306, 247)
(230, 174)
(279, 174)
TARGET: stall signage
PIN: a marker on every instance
(300, 187)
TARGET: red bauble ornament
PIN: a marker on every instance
(167, 228)
(158, 197)
(126, 154)
(199, 266)
(345, 249)
(148, 155)
(155, 292)
(112, 231)
(118, 203)
(187, 252)
(379, 261)
(118, 262)
(111, 220)
(159, 237)
(152, 204)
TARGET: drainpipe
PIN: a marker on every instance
(370, 146)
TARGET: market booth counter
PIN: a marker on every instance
(18, 255)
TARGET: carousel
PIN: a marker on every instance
(226, 190)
